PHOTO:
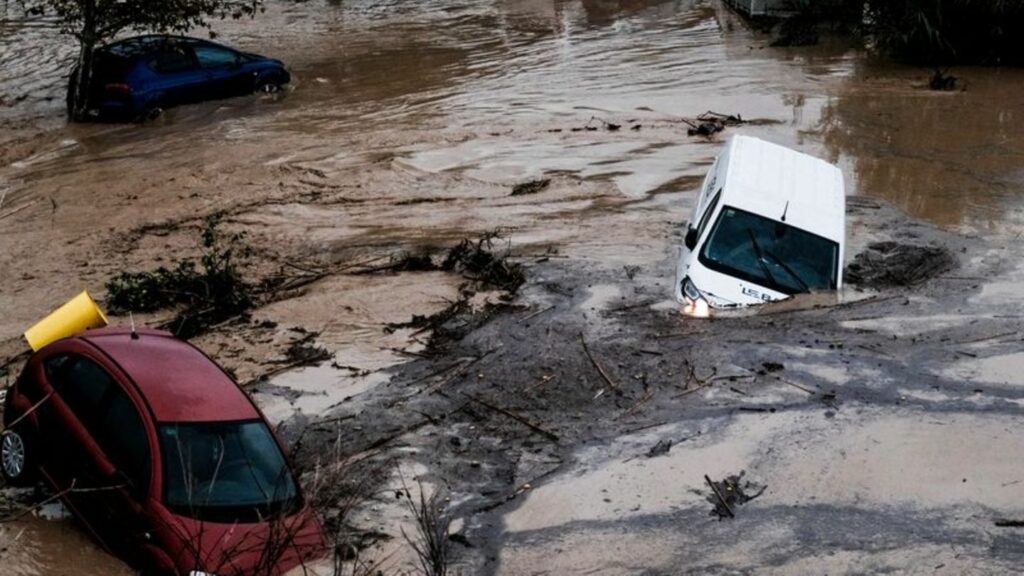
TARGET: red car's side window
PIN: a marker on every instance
(107, 412)
(123, 436)
(53, 366)
(83, 385)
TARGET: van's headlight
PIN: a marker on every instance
(696, 305)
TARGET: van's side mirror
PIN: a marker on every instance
(691, 238)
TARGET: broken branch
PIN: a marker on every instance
(600, 370)
(637, 405)
(535, 427)
(535, 314)
(718, 495)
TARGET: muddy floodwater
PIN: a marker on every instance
(405, 128)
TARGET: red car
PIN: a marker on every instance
(160, 454)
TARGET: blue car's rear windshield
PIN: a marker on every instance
(770, 253)
(109, 67)
(225, 471)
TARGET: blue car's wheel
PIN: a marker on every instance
(268, 86)
(151, 112)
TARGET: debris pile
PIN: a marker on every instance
(730, 492)
(661, 448)
(474, 259)
(892, 264)
(590, 127)
(477, 260)
(711, 123)
(408, 262)
(942, 81)
(306, 351)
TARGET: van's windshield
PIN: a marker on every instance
(770, 253)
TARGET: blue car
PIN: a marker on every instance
(137, 78)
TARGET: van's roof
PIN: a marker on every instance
(763, 177)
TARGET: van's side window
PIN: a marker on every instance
(709, 183)
(707, 213)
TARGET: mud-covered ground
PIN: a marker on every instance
(878, 427)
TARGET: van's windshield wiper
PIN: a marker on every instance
(760, 258)
(789, 270)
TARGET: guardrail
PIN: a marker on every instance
(762, 8)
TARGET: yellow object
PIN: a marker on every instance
(79, 313)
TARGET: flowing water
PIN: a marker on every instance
(489, 92)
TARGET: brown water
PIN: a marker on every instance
(418, 115)
(52, 547)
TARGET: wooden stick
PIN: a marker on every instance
(643, 400)
(986, 338)
(462, 366)
(794, 385)
(522, 488)
(460, 370)
(719, 495)
(604, 375)
(632, 306)
(784, 381)
(870, 349)
(394, 436)
(16, 358)
(691, 391)
(19, 209)
(30, 410)
(535, 314)
(536, 428)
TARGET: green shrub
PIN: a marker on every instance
(203, 292)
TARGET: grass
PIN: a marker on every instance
(430, 540)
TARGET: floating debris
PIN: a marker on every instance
(711, 123)
(942, 81)
(531, 187)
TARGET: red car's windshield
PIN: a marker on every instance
(225, 471)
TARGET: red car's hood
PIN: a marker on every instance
(265, 549)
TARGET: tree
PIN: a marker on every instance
(93, 23)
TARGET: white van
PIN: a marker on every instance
(769, 223)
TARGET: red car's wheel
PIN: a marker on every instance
(17, 453)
